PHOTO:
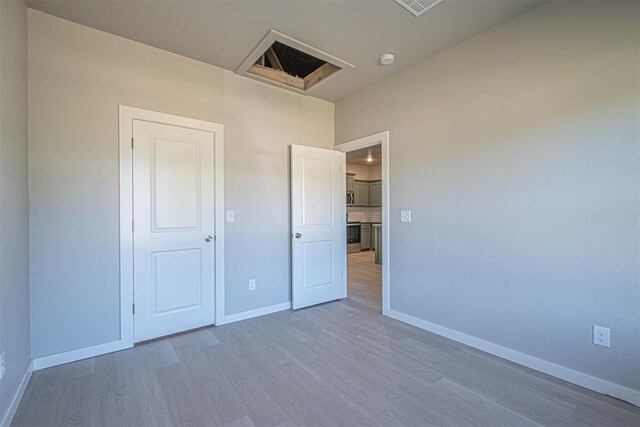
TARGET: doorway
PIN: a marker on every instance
(367, 230)
(364, 224)
(172, 235)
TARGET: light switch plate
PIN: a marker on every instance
(231, 216)
(3, 366)
(405, 216)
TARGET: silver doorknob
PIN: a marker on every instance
(298, 235)
(208, 239)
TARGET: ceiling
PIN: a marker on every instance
(362, 156)
(224, 32)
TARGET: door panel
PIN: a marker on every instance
(317, 263)
(173, 215)
(318, 221)
(175, 176)
(317, 185)
(169, 268)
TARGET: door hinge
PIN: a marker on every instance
(133, 308)
(132, 143)
(133, 226)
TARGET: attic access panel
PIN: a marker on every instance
(292, 61)
(286, 62)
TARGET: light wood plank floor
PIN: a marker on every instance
(340, 363)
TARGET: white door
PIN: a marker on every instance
(173, 204)
(318, 225)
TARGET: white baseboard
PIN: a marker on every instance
(17, 397)
(79, 354)
(110, 347)
(580, 378)
(254, 313)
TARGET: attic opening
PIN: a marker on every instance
(286, 62)
(292, 67)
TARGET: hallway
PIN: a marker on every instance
(364, 279)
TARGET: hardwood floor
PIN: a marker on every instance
(340, 363)
(365, 279)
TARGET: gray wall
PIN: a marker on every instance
(518, 153)
(77, 78)
(14, 239)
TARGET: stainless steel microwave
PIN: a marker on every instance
(351, 198)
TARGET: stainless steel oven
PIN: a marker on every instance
(353, 237)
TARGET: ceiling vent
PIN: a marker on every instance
(417, 7)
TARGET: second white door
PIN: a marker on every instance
(318, 225)
(174, 242)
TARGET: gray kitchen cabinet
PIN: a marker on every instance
(365, 237)
(377, 242)
(350, 179)
(361, 192)
(375, 193)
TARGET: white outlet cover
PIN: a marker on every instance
(252, 284)
(405, 216)
(601, 336)
(231, 216)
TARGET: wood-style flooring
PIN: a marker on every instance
(336, 364)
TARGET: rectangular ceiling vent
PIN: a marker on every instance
(418, 7)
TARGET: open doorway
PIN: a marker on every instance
(367, 228)
(364, 225)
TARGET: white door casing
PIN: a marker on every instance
(318, 216)
(174, 248)
(368, 141)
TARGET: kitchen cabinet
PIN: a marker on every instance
(361, 192)
(365, 237)
(375, 193)
(350, 178)
(366, 193)
(377, 242)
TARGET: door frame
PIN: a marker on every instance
(375, 139)
(126, 116)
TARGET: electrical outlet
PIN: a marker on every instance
(601, 336)
(231, 216)
(405, 216)
(3, 366)
(252, 284)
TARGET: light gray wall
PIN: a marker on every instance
(14, 238)
(518, 153)
(362, 172)
(77, 78)
(365, 172)
(375, 172)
